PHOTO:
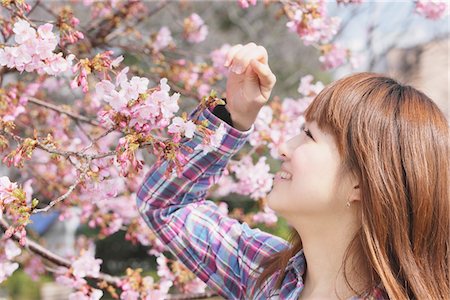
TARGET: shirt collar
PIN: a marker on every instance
(297, 263)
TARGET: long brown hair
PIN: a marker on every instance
(396, 141)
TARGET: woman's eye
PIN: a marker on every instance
(307, 132)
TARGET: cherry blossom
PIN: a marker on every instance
(162, 39)
(253, 180)
(195, 30)
(214, 142)
(218, 57)
(267, 216)
(307, 89)
(432, 9)
(6, 190)
(246, 3)
(86, 265)
(34, 51)
(313, 27)
(23, 31)
(179, 125)
(9, 252)
(333, 56)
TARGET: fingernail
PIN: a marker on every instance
(226, 64)
(236, 69)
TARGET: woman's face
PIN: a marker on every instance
(313, 164)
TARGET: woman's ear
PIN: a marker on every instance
(355, 194)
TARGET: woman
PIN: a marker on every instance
(364, 186)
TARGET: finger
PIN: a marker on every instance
(233, 50)
(242, 59)
(266, 78)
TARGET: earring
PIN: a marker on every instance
(348, 204)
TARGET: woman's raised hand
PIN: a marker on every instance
(249, 84)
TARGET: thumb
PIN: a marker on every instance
(265, 75)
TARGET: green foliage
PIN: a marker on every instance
(21, 286)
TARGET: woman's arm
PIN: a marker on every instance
(221, 251)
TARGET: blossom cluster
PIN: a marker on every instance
(14, 98)
(154, 110)
(246, 3)
(86, 265)
(34, 51)
(432, 9)
(8, 251)
(195, 29)
(16, 204)
(309, 19)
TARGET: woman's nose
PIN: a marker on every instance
(283, 151)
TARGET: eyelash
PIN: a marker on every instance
(307, 132)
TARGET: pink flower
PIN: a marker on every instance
(432, 9)
(23, 31)
(246, 3)
(312, 23)
(86, 265)
(307, 89)
(11, 249)
(334, 57)
(163, 270)
(6, 269)
(267, 217)
(181, 126)
(162, 39)
(129, 295)
(136, 86)
(6, 189)
(253, 180)
(215, 140)
(264, 118)
(195, 31)
(218, 57)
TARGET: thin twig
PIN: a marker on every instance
(61, 198)
(54, 258)
(68, 113)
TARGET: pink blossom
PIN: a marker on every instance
(195, 30)
(6, 189)
(129, 295)
(215, 140)
(11, 249)
(86, 265)
(264, 118)
(162, 39)
(23, 31)
(307, 89)
(163, 270)
(432, 9)
(6, 269)
(253, 180)
(218, 58)
(334, 57)
(246, 3)
(34, 51)
(35, 268)
(179, 125)
(314, 27)
(136, 86)
(267, 216)
(167, 103)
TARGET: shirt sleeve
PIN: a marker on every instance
(220, 250)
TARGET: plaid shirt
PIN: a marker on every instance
(220, 250)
